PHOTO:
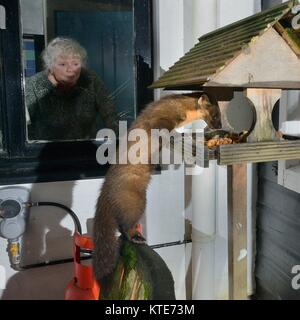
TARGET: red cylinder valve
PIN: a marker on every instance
(83, 286)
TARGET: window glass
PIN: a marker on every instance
(78, 65)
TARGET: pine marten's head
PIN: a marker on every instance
(206, 110)
(210, 112)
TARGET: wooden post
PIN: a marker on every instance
(263, 101)
(237, 231)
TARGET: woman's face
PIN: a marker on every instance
(66, 70)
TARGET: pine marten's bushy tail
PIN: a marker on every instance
(106, 243)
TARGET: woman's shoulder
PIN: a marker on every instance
(39, 80)
(38, 76)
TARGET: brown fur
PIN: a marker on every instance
(122, 200)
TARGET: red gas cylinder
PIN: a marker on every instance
(83, 285)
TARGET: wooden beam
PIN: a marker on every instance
(237, 231)
(258, 152)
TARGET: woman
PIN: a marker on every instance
(66, 101)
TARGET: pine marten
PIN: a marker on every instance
(122, 200)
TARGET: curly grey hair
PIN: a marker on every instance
(61, 46)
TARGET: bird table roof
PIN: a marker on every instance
(217, 49)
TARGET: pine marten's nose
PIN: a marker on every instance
(217, 124)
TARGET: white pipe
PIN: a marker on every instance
(203, 232)
(204, 229)
(204, 199)
(204, 18)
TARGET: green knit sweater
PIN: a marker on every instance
(77, 114)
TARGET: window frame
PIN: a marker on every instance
(23, 162)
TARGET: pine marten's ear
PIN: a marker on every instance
(203, 101)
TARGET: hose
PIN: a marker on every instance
(13, 247)
(58, 205)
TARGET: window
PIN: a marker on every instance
(105, 31)
(116, 35)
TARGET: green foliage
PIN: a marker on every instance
(128, 281)
(140, 274)
(129, 255)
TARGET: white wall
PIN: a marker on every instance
(230, 11)
(49, 236)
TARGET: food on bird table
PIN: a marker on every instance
(216, 138)
(218, 141)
